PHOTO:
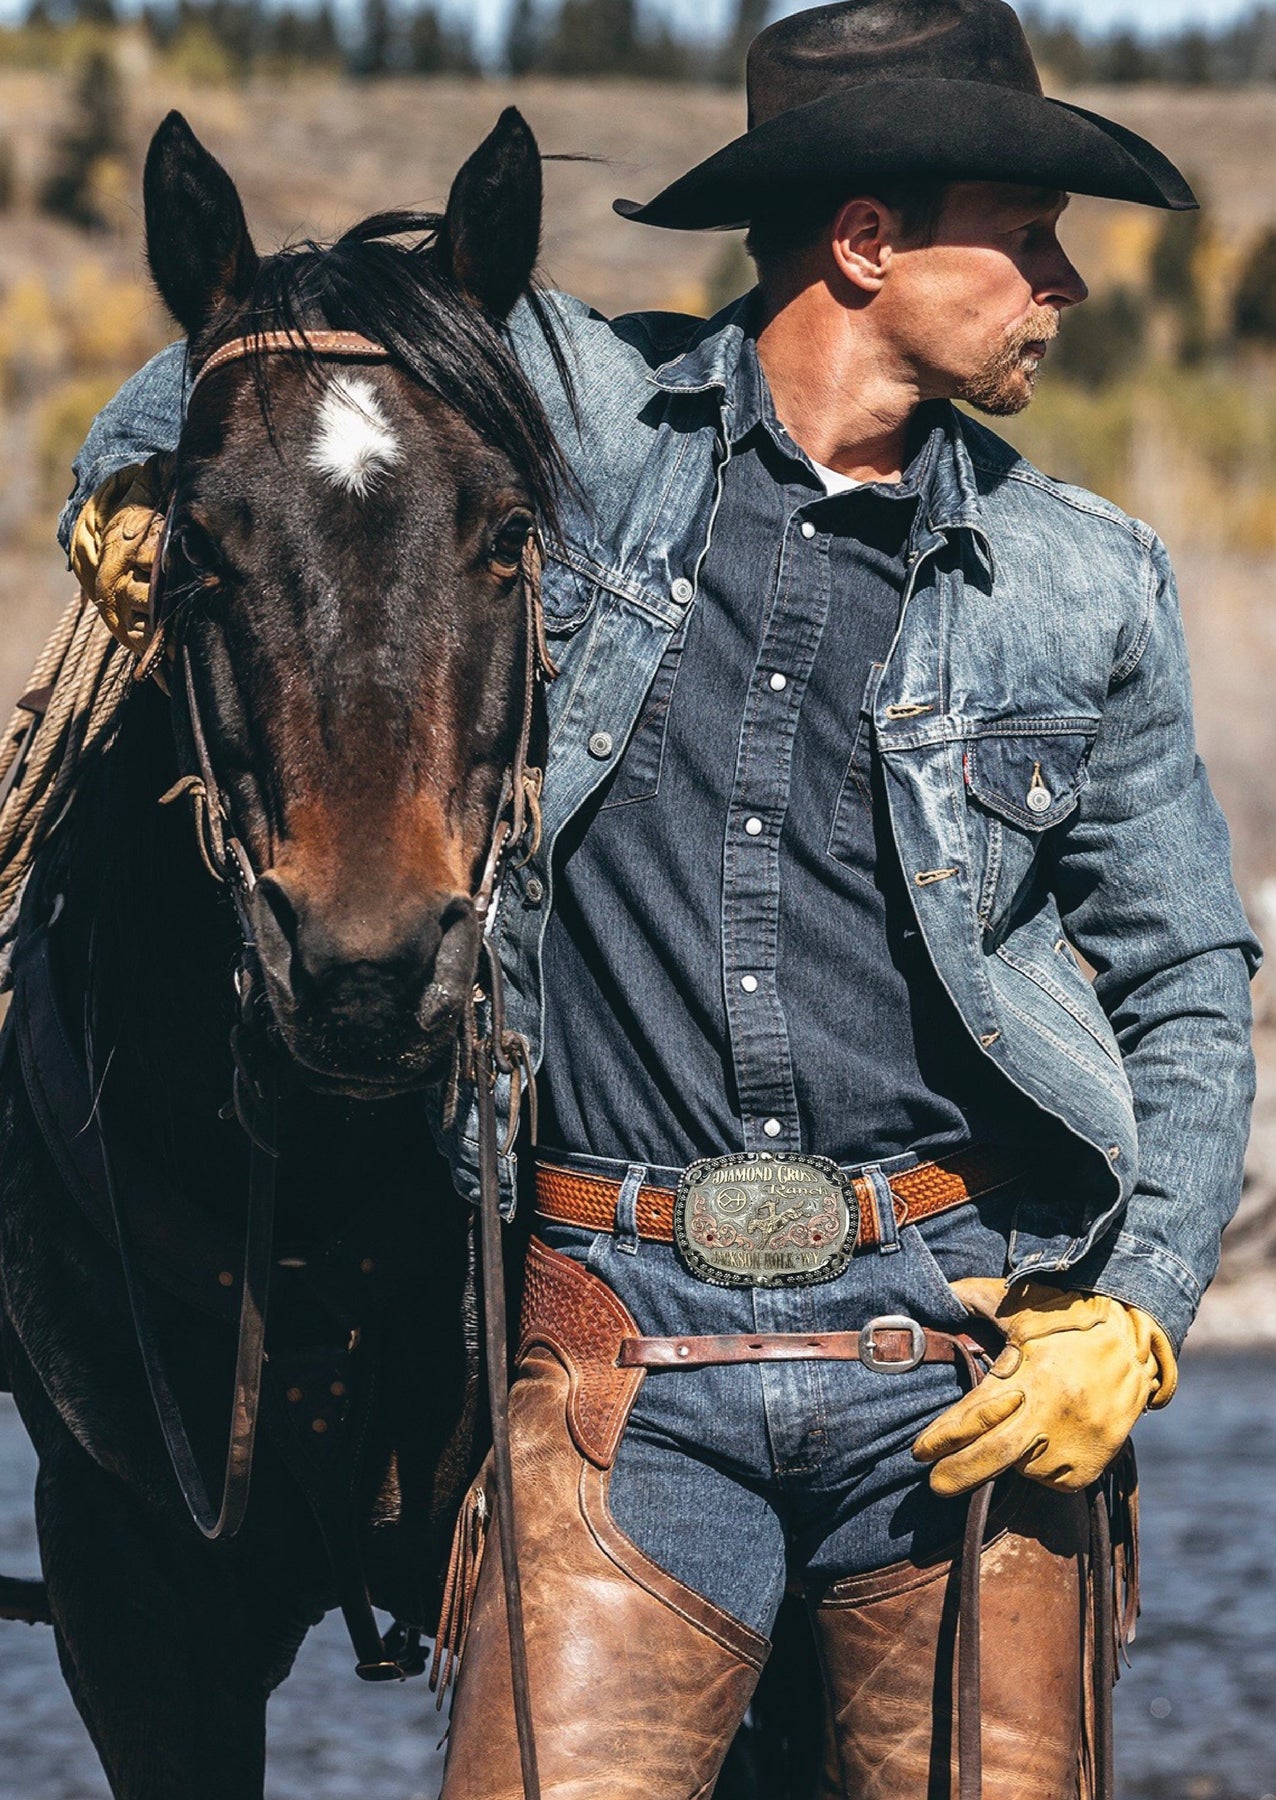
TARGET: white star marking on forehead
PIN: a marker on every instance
(353, 443)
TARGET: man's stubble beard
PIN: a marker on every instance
(1006, 384)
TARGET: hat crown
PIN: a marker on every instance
(813, 53)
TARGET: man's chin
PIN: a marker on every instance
(1004, 399)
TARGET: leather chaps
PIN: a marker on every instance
(638, 1685)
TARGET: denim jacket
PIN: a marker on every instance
(1034, 721)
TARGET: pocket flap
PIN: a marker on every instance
(567, 596)
(1033, 780)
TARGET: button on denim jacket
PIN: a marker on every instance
(1034, 722)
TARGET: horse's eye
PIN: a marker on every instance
(196, 548)
(508, 545)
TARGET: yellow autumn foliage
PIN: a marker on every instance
(111, 321)
(32, 338)
(59, 426)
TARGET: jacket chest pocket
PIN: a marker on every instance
(568, 597)
(1022, 782)
(569, 602)
(638, 776)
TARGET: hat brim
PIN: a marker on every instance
(943, 130)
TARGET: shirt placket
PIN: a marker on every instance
(756, 1021)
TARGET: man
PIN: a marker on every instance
(862, 724)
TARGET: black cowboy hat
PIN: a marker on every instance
(875, 89)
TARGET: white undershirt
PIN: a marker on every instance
(833, 482)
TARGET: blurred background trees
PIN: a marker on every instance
(590, 38)
(88, 145)
(1170, 295)
(1254, 315)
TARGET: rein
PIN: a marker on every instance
(483, 1057)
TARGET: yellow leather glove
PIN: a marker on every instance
(114, 545)
(1061, 1398)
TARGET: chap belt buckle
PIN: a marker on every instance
(756, 1220)
(899, 1325)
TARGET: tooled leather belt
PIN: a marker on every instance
(589, 1201)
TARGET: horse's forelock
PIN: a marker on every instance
(386, 280)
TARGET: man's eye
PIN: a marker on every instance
(509, 543)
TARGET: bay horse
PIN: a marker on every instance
(346, 639)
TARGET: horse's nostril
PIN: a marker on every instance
(458, 911)
(280, 908)
(455, 956)
(358, 974)
(279, 930)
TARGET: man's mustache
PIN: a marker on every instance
(1043, 329)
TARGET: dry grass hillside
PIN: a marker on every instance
(1197, 458)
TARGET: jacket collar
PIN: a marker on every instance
(711, 363)
(712, 356)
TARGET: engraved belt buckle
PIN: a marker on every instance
(757, 1220)
(892, 1365)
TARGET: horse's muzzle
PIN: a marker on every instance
(366, 1003)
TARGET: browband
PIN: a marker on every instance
(349, 344)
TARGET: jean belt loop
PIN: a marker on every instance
(884, 1204)
(626, 1226)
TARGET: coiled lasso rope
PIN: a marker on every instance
(70, 710)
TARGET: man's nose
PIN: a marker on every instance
(1061, 285)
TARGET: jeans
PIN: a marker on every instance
(737, 1479)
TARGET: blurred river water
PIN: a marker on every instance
(1196, 1715)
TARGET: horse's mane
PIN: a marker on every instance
(404, 296)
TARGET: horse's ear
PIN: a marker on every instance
(491, 233)
(197, 240)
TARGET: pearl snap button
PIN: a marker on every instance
(682, 590)
(779, 683)
(600, 745)
(808, 530)
(773, 1128)
(749, 983)
(753, 827)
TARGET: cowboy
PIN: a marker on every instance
(864, 728)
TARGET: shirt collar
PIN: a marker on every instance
(722, 355)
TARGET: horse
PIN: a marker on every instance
(249, 950)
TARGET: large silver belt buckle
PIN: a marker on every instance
(757, 1220)
(872, 1358)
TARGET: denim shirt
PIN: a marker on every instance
(1033, 719)
(732, 961)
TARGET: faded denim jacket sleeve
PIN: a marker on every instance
(1145, 892)
(145, 416)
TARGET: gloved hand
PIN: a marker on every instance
(115, 543)
(1076, 1372)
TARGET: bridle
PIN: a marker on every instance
(481, 1055)
(516, 827)
(223, 853)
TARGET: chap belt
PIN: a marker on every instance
(589, 1201)
(887, 1344)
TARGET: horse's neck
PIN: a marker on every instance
(144, 929)
(142, 907)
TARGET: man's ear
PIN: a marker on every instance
(862, 243)
(491, 233)
(197, 240)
